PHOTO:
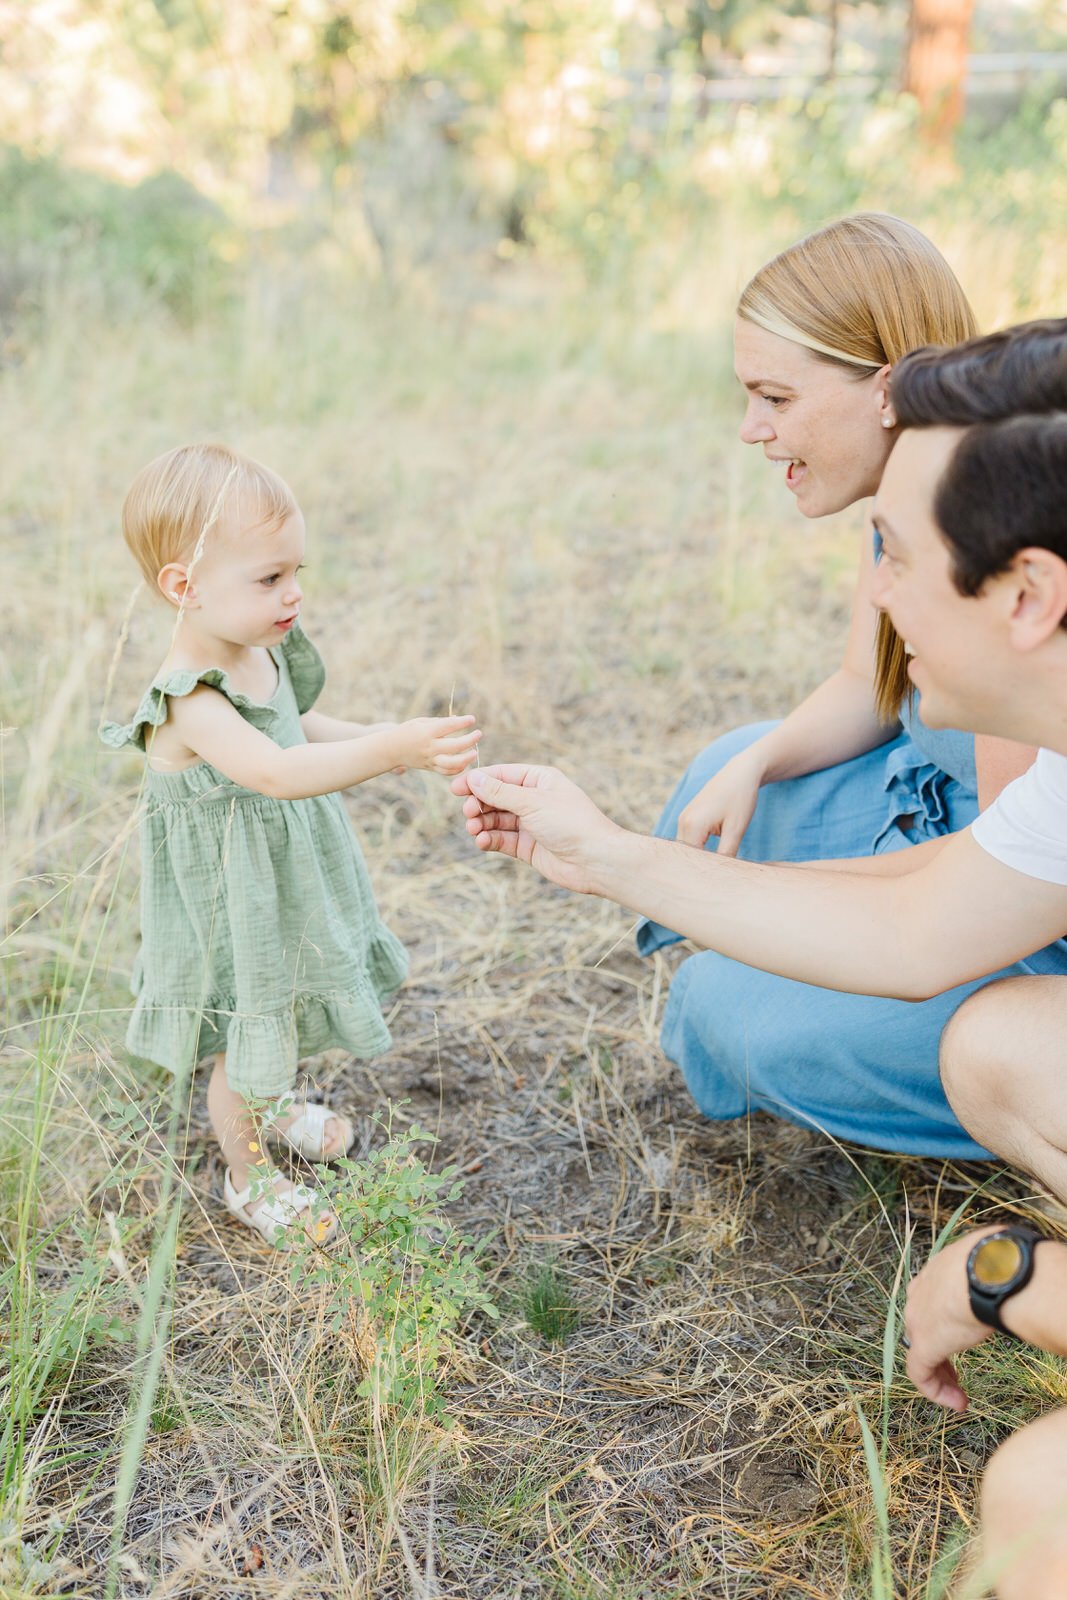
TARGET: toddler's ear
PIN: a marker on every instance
(173, 583)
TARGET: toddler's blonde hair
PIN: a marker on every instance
(173, 503)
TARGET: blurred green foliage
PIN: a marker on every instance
(424, 138)
(162, 234)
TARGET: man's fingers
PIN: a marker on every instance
(508, 772)
(491, 822)
(501, 796)
(937, 1383)
(519, 772)
(504, 842)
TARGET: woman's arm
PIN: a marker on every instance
(836, 722)
(210, 728)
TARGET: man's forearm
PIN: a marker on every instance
(894, 864)
(830, 928)
(1038, 1313)
(958, 917)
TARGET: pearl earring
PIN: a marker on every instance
(888, 422)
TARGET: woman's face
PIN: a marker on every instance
(821, 423)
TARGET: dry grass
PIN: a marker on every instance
(541, 514)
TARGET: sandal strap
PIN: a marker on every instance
(306, 1134)
(272, 1212)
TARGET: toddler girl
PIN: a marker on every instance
(261, 939)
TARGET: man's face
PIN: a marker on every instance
(952, 639)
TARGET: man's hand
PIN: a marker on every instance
(939, 1322)
(536, 815)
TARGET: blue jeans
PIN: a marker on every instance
(857, 1067)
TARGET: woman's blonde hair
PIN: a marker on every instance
(860, 294)
(176, 500)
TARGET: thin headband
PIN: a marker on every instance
(786, 330)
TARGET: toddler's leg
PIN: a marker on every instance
(235, 1126)
(240, 1135)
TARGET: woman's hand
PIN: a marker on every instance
(724, 806)
(536, 815)
(437, 744)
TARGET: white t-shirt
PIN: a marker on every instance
(1026, 826)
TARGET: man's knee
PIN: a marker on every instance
(1024, 1512)
(979, 1049)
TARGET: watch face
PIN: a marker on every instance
(996, 1262)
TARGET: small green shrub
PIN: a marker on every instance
(401, 1280)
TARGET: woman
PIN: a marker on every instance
(818, 330)
(935, 920)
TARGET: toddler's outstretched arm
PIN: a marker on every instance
(320, 729)
(211, 728)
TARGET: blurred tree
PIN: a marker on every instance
(935, 65)
(710, 29)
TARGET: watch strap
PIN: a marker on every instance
(986, 1300)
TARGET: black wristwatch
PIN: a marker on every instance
(999, 1266)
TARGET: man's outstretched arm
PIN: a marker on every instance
(959, 917)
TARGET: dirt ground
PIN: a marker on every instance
(694, 1433)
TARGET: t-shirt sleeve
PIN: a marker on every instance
(1026, 826)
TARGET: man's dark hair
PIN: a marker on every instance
(1004, 489)
(999, 375)
(1005, 486)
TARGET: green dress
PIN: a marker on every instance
(260, 934)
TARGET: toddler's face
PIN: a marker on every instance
(245, 588)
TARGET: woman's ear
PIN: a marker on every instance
(886, 414)
(173, 584)
(1037, 582)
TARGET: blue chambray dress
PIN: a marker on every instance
(857, 1067)
(260, 933)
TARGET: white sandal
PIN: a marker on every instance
(273, 1214)
(306, 1134)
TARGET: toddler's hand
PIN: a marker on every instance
(438, 744)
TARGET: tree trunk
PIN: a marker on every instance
(833, 18)
(935, 67)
